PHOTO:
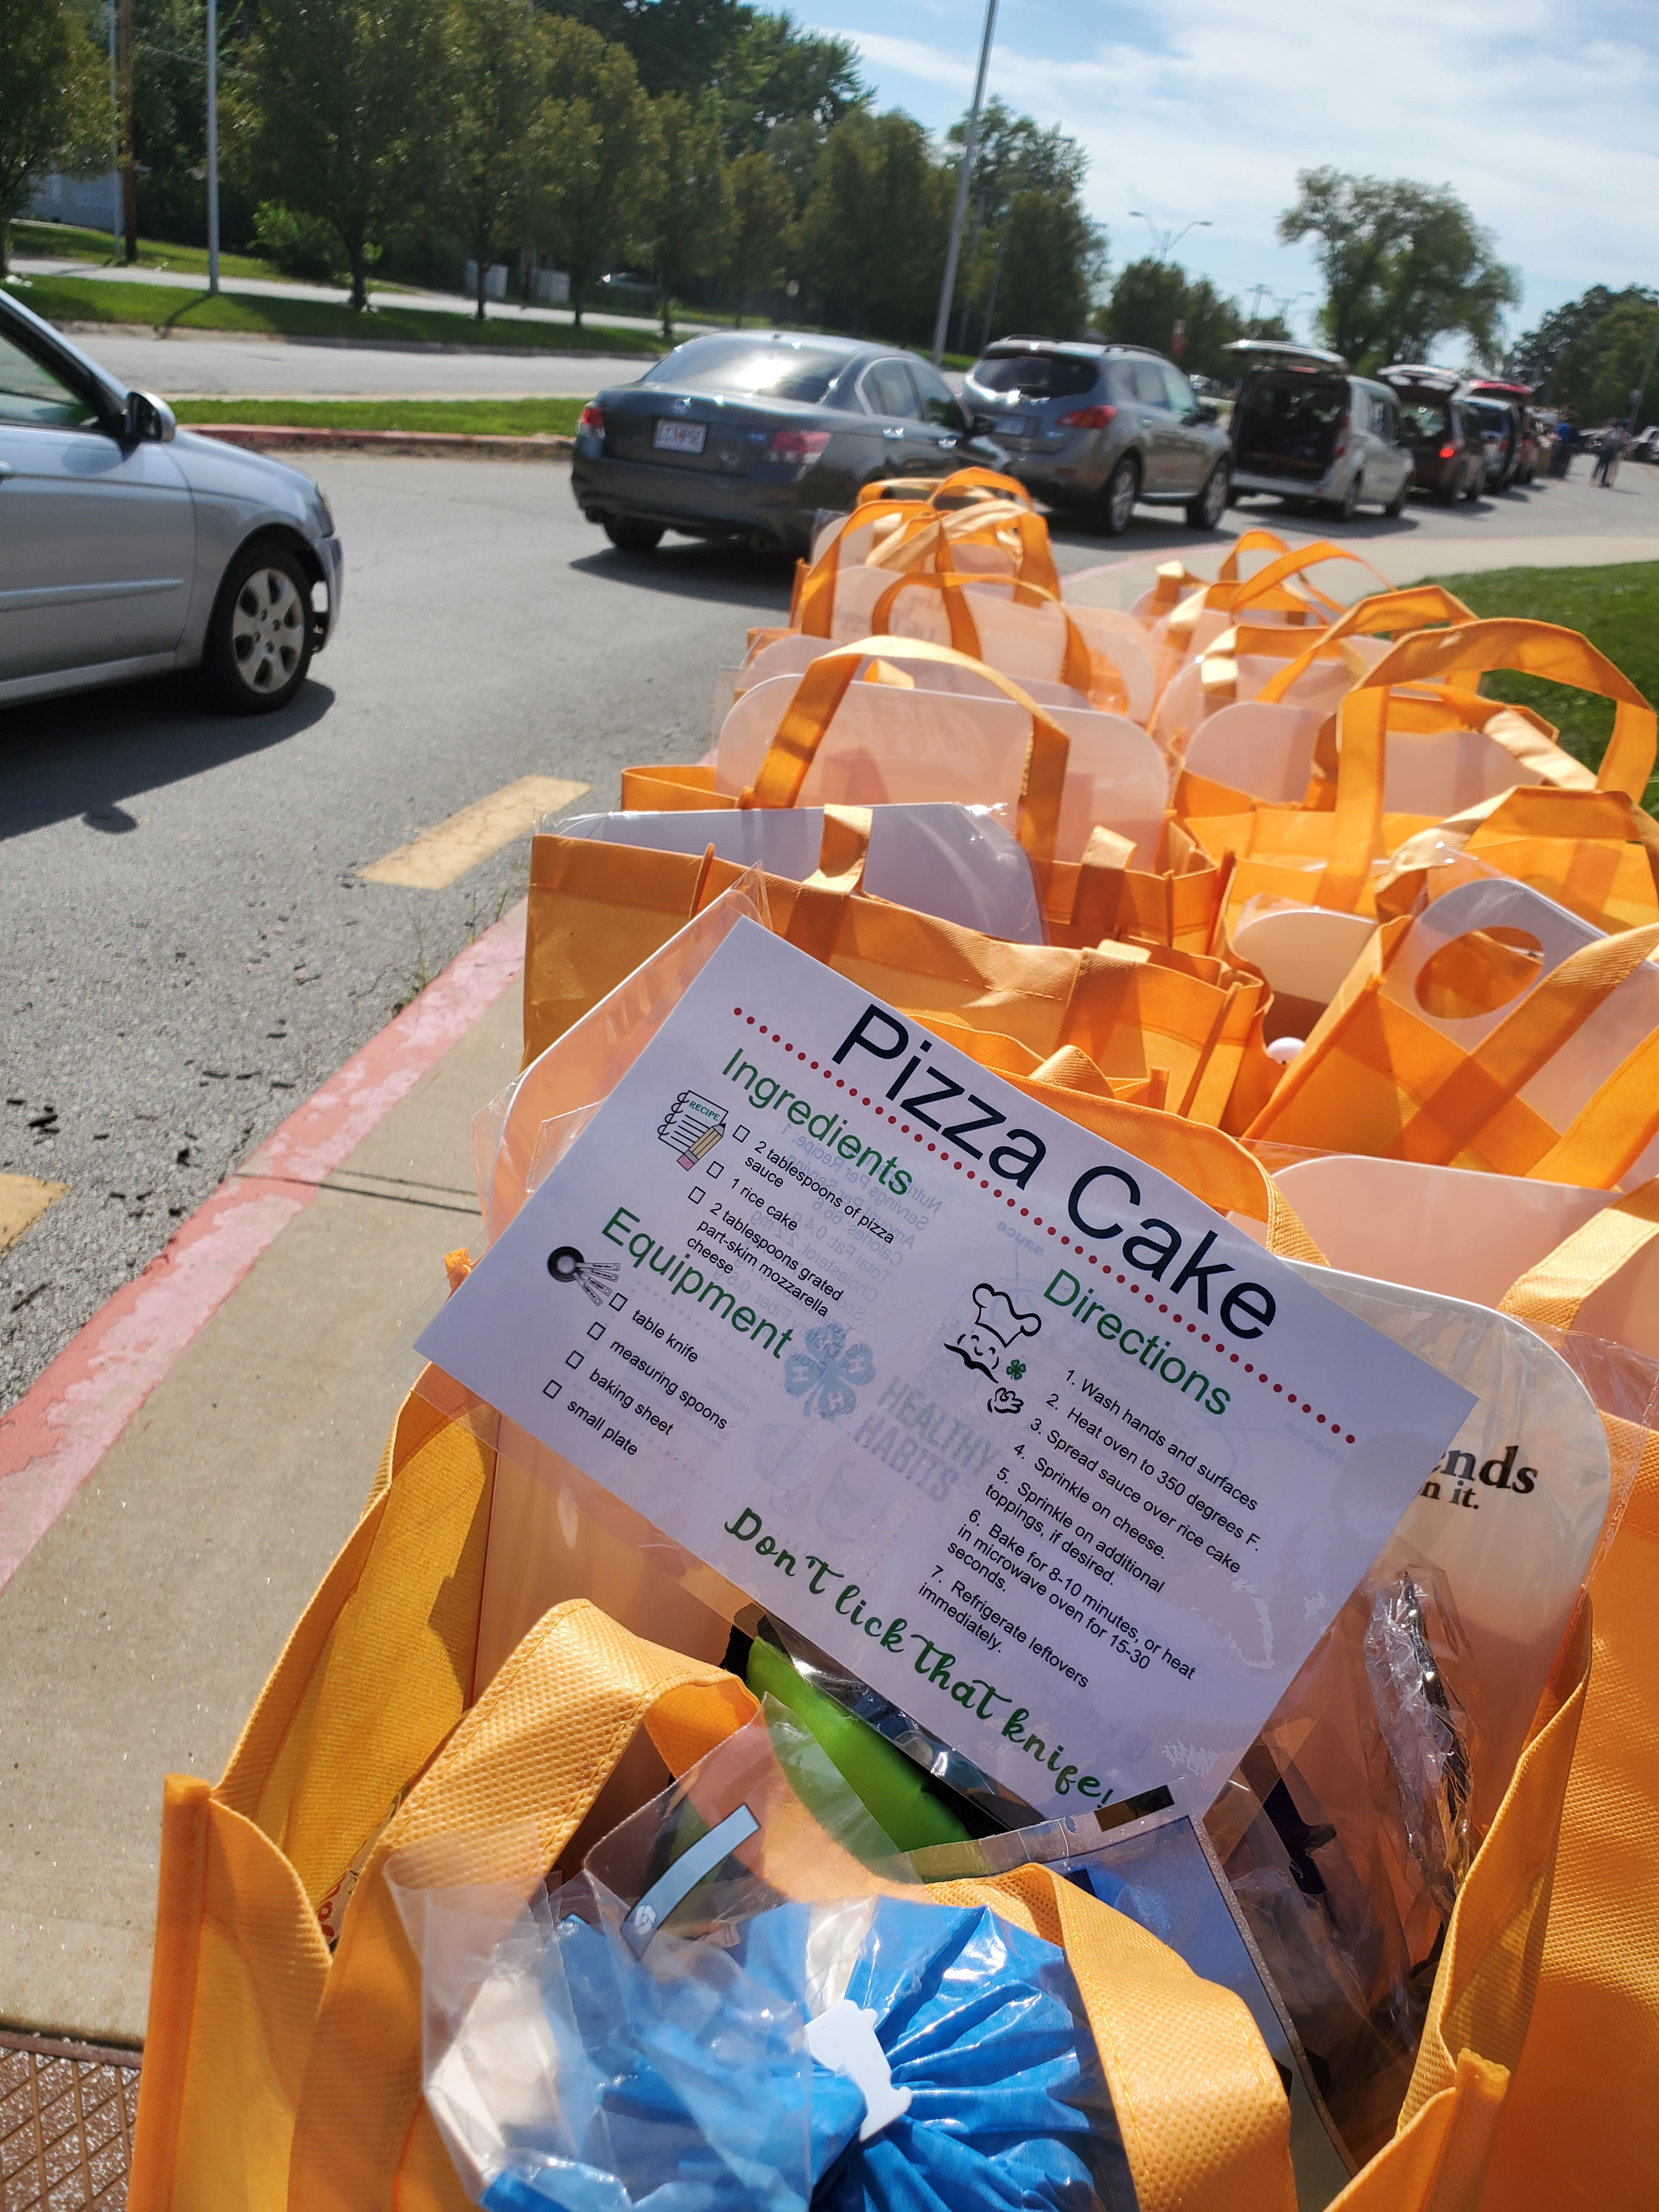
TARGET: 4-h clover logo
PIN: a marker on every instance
(824, 1375)
(1014, 1370)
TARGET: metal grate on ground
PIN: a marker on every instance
(66, 2116)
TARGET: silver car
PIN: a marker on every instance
(1305, 428)
(129, 547)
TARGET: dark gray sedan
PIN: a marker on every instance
(748, 434)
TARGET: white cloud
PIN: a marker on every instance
(1540, 117)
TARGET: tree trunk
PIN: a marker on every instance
(481, 265)
(357, 255)
(667, 317)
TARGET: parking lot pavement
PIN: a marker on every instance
(184, 364)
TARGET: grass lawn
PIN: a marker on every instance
(500, 418)
(67, 241)
(1617, 609)
(88, 300)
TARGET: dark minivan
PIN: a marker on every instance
(1448, 450)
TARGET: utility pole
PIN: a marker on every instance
(964, 173)
(213, 143)
(129, 168)
(1255, 306)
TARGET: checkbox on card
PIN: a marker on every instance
(697, 1194)
(741, 1136)
(551, 1390)
(596, 1330)
(715, 1169)
(575, 1360)
(618, 1303)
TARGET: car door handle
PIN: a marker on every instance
(6, 470)
(895, 433)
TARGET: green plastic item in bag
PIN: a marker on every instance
(891, 1788)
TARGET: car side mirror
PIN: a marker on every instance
(1208, 412)
(148, 417)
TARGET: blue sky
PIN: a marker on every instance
(1540, 117)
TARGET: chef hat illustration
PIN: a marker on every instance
(995, 1315)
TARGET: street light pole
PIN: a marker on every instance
(213, 143)
(964, 173)
(1167, 240)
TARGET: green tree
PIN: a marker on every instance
(1047, 250)
(601, 157)
(763, 217)
(690, 205)
(873, 232)
(1150, 297)
(1405, 265)
(678, 46)
(494, 138)
(338, 115)
(54, 112)
(1572, 333)
(1597, 372)
(784, 90)
(1033, 277)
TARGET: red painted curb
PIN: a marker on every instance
(433, 444)
(54, 1437)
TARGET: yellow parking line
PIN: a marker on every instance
(439, 855)
(23, 1201)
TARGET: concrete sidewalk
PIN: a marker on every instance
(137, 1632)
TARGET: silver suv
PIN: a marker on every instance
(1100, 426)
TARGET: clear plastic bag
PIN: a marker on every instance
(730, 2009)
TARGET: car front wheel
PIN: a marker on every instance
(1205, 513)
(1118, 501)
(259, 638)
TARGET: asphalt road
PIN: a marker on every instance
(183, 366)
(188, 949)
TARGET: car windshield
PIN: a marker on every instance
(741, 366)
(1038, 375)
(1492, 414)
(1423, 421)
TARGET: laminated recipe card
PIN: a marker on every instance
(1023, 1433)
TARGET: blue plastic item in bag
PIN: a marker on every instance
(684, 2081)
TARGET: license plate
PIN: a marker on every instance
(1013, 426)
(678, 437)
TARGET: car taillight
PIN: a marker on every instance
(592, 418)
(797, 445)
(1449, 452)
(1341, 439)
(1087, 418)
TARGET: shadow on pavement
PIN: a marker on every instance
(87, 754)
(734, 574)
